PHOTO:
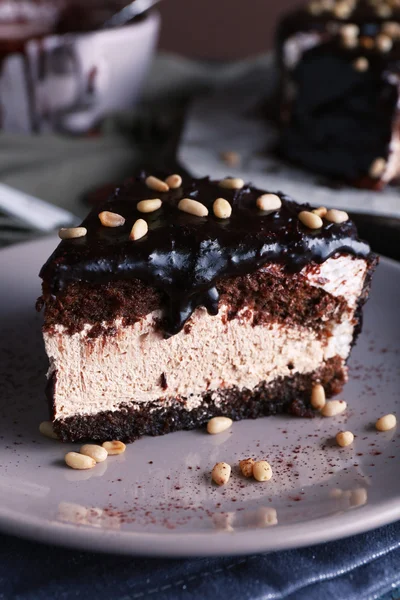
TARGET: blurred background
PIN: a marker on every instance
(225, 29)
(177, 87)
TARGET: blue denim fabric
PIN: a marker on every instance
(360, 568)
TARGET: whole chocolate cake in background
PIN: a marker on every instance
(340, 87)
(179, 300)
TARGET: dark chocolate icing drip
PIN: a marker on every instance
(183, 255)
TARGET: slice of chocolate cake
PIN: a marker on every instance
(178, 301)
(340, 89)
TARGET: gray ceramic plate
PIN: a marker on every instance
(157, 498)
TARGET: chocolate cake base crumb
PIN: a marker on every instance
(284, 395)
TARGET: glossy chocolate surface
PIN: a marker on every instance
(184, 255)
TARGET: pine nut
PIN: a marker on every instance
(377, 168)
(349, 34)
(349, 42)
(333, 408)
(72, 513)
(384, 11)
(96, 452)
(110, 219)
(246, 467)
(69, 233)
(361, 64)
(224, 521)
(156, 184)
(350, 30)
(193, 207)
(336, 493)
(149, 206)
(310, 220)
(218, 425)
(46, 429)
(266, 516)
(386, 423)
(269, 202)
(318, 399)
(139, 230)
(231, 159)
(231, 183)
(315, 8)
(342, 10)
(384, 43)
(358, 497)
(344, 438)
(221, 473)
(336, 216)
(174, 182)
(320, 211)
(79, 461)
(114, 447)
(222, 209)
(262, 470)
(392, 29)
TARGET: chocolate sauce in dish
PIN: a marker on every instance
(184, 255)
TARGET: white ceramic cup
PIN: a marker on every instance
(76, 79)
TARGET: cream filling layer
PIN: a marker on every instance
(100, 374)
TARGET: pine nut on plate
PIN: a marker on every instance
(318, 399)
(262, 470)
(221, 473)
(246, 466)
(230, 158)
(377, 168)
(266, 516)
(218, 425)
(361, 64)
(98, 453)
(46, 429)
(344, 438)
(75, 460)
(114, 447)
(386, 423)
(334, 408)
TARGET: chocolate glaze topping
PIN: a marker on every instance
(340, 126)
(183, 255)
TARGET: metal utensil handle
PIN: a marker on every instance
(135, 8)
(36, 213)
